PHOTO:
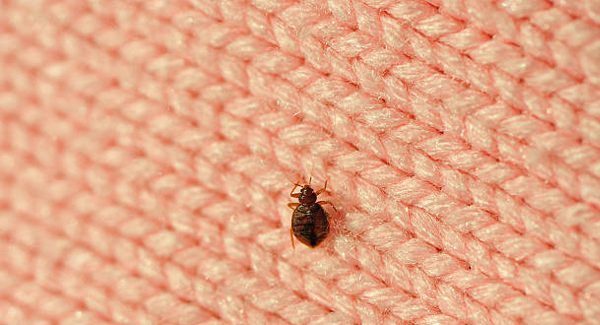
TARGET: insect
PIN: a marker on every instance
(310, 222)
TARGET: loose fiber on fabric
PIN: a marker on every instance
(148, 147)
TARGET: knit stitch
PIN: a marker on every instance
(147, 150)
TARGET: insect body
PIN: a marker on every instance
(310, 222)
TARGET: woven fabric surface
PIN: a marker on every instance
(148, 147)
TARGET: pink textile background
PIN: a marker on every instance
(147, 149)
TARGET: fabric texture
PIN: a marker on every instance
(148, 147)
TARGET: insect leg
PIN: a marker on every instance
(327, 202)
(293, 189)
(292, 238)
(293, 206)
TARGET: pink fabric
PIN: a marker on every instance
(147, 150)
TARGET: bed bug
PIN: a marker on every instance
(310, 222)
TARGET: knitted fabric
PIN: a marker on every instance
(148, 147)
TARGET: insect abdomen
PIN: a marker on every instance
(310, 224)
